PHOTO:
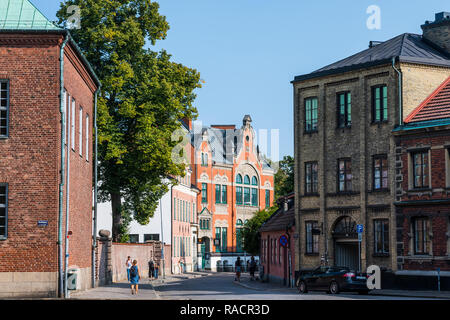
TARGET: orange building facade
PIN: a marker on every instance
(234, 182)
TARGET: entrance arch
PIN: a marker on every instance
(345, 239)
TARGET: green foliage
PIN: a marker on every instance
(143, 96)
(251, 233)
(284, 178)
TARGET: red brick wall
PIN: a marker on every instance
(275, 268)
(437, 213)
(79, 87)
(29, 161)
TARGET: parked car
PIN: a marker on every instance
(333, 280)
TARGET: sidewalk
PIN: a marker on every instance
(266, 286)
(121, 290)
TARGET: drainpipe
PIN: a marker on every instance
(400, 93)
(62, 171)
(94, 232)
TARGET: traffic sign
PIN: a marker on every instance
(359, 228)
(283, 241)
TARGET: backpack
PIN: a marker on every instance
(133, 271)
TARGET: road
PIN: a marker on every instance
(221, 286)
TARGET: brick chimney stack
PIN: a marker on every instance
(438, 32)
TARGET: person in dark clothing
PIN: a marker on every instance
(252, 268)
(237, 266)
(151, 269)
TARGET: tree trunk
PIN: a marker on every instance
(116, 215)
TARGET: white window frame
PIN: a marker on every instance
(80, 130)
(87, 137)
(72, 125)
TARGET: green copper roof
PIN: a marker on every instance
(23, 15)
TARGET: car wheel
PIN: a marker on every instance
(302, 287)
(334, 287)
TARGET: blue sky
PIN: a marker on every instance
(248, 51)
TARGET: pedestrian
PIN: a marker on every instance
(151, 269)
(134, 277)
(156, 270)
(128, 264)
(237, 266)
(252, 268)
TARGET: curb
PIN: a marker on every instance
(393, 294)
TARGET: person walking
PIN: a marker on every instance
(134, 277)
(252, 268)
(156, 270)
(128, 264)
(237, 266)
(151, 269)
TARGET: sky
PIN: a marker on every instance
(249, 51)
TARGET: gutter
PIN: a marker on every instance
(66, 253)
(62, 171)
(400, 93)
(94, 232)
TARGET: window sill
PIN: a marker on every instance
(311, 254)
(381, 255)
(420, 190)
(343, 193)
(310, 132)
(379, 123)
(380, 191)
(311, 195)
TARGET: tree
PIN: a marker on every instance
(144, 95)
(250, 232)
(284, 178)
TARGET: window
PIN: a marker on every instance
(381, 234)
(204, 192)
(420, 167)
(87, 137)
(311, 178)
(246, 195)
(218, 194)
(344, 175)
(238, 195)
(379, 104)
(312, 238)
(239, 239)
(134, 238)
(344, 103)
(80, 130)
(3, 211)
(246, 180)
(204, 224)
(311, 115)
(380, 172)
(150, 237)
(72, 126)
(4, 108)
(224, 240)
(421, 241)
(204, 159)
(254, 197)
(267, 198)
(239, 179)
(224, 194)
(254, 181)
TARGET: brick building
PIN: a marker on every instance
(277, 254)
(423, 192)
(46, 168)
(235, 182)
(345, 174)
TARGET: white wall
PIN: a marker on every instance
(104, 220)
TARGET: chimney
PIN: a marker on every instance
(437, 33)
(188, 123)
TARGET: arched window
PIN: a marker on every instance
(254, 181)
(239, 222)
(246, 180)
(238, 178)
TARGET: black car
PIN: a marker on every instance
(333, 280)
